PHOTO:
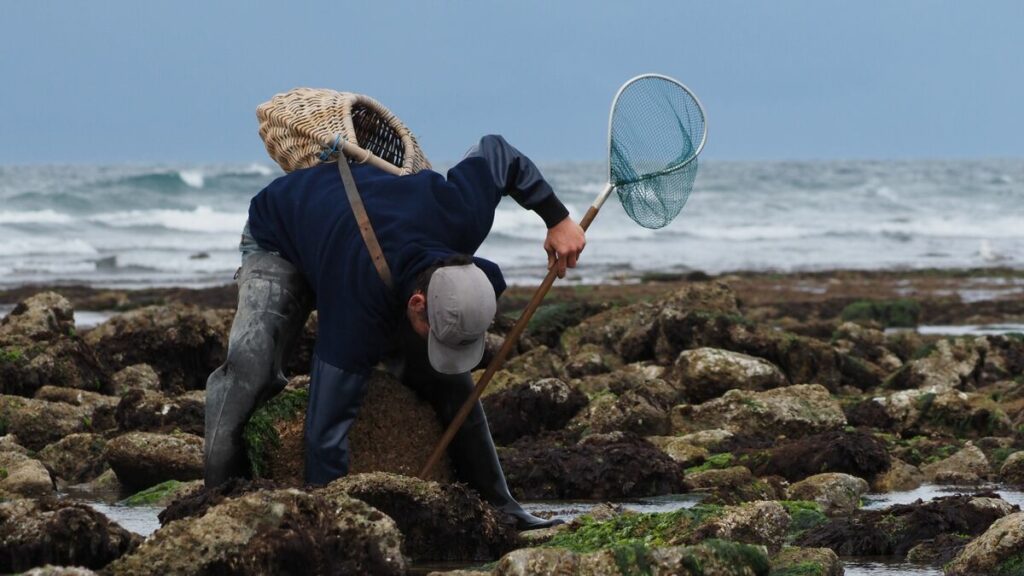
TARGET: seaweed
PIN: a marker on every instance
(260, 433)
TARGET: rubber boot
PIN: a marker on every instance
(335, 397)
(472, 450)
(273, 304)
(476, 459)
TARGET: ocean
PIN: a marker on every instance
(150, 225)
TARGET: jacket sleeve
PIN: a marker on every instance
(502, 170)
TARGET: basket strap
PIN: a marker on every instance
(363, 220)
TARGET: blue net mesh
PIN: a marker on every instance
(657, 127)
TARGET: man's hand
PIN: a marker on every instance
(564, 243)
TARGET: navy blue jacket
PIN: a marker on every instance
(419, 219)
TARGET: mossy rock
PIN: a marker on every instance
(900, 313)
(657, 529)
(162, 494)
(394, 432)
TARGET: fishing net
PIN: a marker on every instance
(656, 131)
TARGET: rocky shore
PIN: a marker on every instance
(782, 400)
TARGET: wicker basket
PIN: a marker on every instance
(298, 125)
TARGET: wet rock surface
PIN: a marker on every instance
(1000, 550)
(855, 453)
(895, 530)
(531, 407)
(151, 411)
(792, 411)
(600, 467)
(275, 433)
(22, 476)
(183, 344)
(438, 521)
(76, 458)
(142, 459)
(273, 532)
(707, 373)
(48, 531)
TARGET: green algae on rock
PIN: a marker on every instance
(709, 558)
(762, 523)
(806, 562)
(162, 494)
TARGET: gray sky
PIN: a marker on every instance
(131, 81)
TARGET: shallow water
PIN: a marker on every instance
(961, 329)
(83, 318)
(139, 519)
(885, 567)
(931, 491)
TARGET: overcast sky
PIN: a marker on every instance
(179, 81)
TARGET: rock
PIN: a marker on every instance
(44, 316)
(895, 530)
(66, 361)
(837, 493)
(589, 360)
(598, 467)
(628, 331)
(38, 346)
(9, 443)
(939, 550)
(531, 407)
(537, 364)
(680, 450)
(761, 522)
(1004, 359)
(1000, 550)
(706, 373)
(163, 494)
(136, 376)
(634, 411)
(184, 344)
(900, 477)
(37, 423)
(552, 320)
(75, 397)
(927, 411)
(792, 411)
(733, 485)
(713, 557)
(151, 411)
(1012, 470)
(274, 434)
(855, 453)
(950, 365)
(273, 532)
(969, 462)
(195, 503)
(797, 561)
(439, 522)
(23, 476)
(711, 439)
(76, 458)
(142, 459)
(49, 531)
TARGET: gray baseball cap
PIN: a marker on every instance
(460, 306)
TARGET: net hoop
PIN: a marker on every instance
(611, 116)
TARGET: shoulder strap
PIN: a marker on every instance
(363, 220)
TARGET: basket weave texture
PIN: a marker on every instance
(298, 125)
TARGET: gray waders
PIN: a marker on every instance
(273, 304)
